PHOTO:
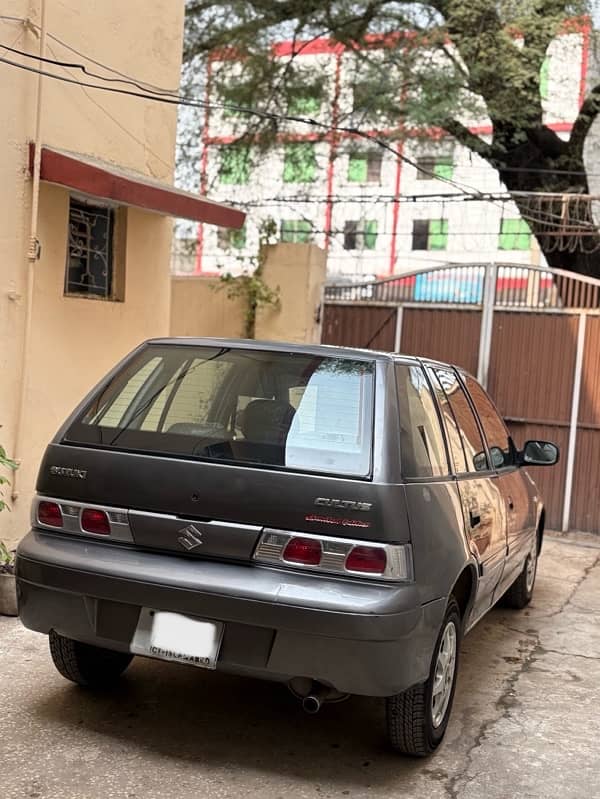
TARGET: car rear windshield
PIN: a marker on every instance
(238, 406)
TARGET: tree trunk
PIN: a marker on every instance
(562, 222)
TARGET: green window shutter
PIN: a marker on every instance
(303, 231)
(443, 168)
(514, 235)
(288, 229)
(357, 168)
(237, 238)
(300, 163)
(370, 234)
(235, 165)
(304, 102)
(438, 234)
(230, 96)
(545, 78)
(296, 231)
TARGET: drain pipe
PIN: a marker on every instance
(33, 254)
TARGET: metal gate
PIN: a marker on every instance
(531, 335)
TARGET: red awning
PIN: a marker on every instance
(108, 182)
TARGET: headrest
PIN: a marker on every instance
(267, 421)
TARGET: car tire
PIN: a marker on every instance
(91, 666)
(416, 719)
(520, 593)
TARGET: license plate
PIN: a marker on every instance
(172, 636)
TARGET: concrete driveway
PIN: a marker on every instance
(525, 720)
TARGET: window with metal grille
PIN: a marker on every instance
(435, 166)
(299, 163)
(360, 234)
(235, 164)
(364, 167)
(296, 231)
(514, 235)
(430, 234)
(228, 239)
(90, 250)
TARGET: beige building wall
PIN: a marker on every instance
(298, 271)
(200, 308)
(73, 340)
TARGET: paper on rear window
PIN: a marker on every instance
(254, 407)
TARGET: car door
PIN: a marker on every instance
(483, 505)
(514, 484)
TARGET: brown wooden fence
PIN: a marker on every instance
(532, 336)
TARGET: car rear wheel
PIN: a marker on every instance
(87, 665)
(417, 718)
(521, 591)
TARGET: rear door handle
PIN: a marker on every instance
(511, 504)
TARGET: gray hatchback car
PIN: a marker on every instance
(329, 518)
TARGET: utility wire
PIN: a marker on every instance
(149, 86)
(269, 115)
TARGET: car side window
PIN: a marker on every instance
(498, 437)
(423, 452)
(472, 442)
(453, 436)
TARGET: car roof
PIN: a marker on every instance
(325, 350)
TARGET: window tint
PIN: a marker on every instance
(422, 449)
(290, 410)
(497, 435)
(472, 442)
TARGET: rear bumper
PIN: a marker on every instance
(362, 638)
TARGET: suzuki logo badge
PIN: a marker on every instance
(190, 537)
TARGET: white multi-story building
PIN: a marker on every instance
(366, 204)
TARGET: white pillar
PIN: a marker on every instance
(573, 423)
(487, 318)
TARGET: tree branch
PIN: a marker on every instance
(587, 114)
(464, 136)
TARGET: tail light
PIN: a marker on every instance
(303, 550)
(50, 513)
(95, 521)
(79, 518)
(366, 560)
(342, 556)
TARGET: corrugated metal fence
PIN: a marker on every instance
(531, 335)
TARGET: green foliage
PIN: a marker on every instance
(6, 557)
(250, 286)
(6, 463)
(7, 560)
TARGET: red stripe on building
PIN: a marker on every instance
(332, 152)
(396, 209)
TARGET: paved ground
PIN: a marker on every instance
(525, 721)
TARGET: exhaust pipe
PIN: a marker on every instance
(312, 702)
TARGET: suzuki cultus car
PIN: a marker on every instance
(329, 518)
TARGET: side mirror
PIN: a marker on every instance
(539, 453)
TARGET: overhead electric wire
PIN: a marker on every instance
(25, 21)
(184, 101)
(269, 115)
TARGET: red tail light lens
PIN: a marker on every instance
(95, 521)
(50, 513)
(369, 560)
(303, 550)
